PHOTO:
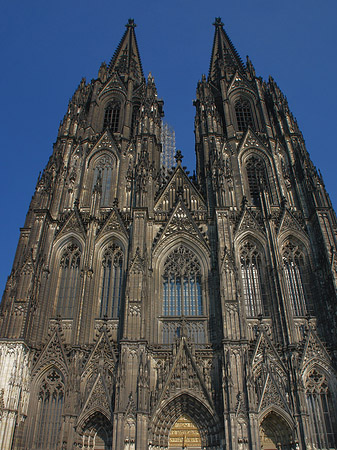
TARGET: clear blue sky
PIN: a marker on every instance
(47, 47)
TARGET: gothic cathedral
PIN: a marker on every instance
(148, 309)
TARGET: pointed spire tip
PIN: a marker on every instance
(131, 24)
(218, 22)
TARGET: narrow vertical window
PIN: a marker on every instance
(135, 112)
(111, 116)
(104, 168)
(243, 112)
(293, 264)
(322, 416)
(257, 178)
(112, 281)
(49, 410)
(69, 279)
(250, 262)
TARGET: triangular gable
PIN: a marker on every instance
(250, 139)
(106, 141)
(288, 222)
(272, 395)
(113, 83)
(314, 350)
(102, 349)
(248, 221)
(181, 221)
(98, 399)
(184, 376)
(239, 81)
(53, 353)
(114, 222)
(163, 205)
(73, 224)
(265, 349)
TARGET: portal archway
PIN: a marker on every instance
(184, 434)
(275, 433)
(197, 412)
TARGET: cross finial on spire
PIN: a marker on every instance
(178, 156)
(131, 24)
(218, 22)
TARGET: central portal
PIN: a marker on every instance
(184, 434)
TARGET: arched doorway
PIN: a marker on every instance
(182, 411)
(184, 434)
(275, 433)
(96, 433)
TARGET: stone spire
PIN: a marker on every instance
(224, 58)
(126, 60)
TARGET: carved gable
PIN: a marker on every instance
(184, 375)
(265, 350)
(272, 395)
(179, 185)
(238, 82)
(98, 399)
(53, 353)
(250, 139)
(181, 221)
(102, 355)
(289, 222)
(249, 221)
(114, 222)
(314, 351)
(114, 83)
(73, 224)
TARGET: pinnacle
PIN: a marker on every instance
(126, 59)
(224, 55)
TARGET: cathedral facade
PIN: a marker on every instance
(148, 309)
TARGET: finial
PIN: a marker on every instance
(131, 24)
(178, 157)
(218, 22)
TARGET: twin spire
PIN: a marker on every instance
(126, 60)
(224, 55)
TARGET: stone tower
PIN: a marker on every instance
(153, 310)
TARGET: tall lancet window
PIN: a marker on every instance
(182, 284)
(250, 263)
(243, 112)
(103, 168)
(112, 115)
(257, 178)
(293, 263)
(322, 417)
(69, 280)
(49, 410)
(112, 282)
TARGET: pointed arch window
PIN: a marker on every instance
(104, 169)
(293, 264)
(69, 280)
(112, 282)
(250, 263)
(322, 416)
(134, 118)
(49, 410)
(257, 178)
(243, 112)
(182, 284)
(112, 115)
